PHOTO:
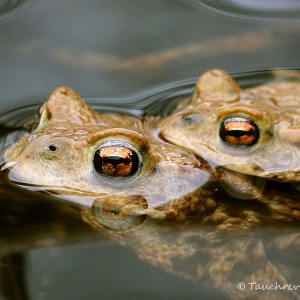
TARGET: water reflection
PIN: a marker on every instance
(236, 242)
(109, 213)
(248, 251)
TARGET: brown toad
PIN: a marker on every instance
(255, 131)
(82, 156)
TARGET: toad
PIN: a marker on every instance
(251, 132)
(82, 156)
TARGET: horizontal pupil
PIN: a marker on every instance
(116, 160)
(239, 133)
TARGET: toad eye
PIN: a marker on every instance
(117, 159)
(239, 131)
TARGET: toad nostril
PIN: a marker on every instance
(52, 148)
(188, 120)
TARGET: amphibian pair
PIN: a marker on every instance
(82, 155)
(120, 169)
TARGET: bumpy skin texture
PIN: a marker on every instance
(231, 241)
(59, 157)
(273, 107)
(218, 239)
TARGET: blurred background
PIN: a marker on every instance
(113, 48)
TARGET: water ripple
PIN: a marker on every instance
(277, 10)
(9, 8)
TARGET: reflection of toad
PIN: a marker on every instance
(253, 132)
(240, 241)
